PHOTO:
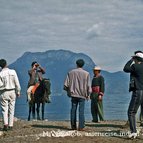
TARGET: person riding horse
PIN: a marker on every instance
(35, 74)
(36, 79)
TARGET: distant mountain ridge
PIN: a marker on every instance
(57, 64)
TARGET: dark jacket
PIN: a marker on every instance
(98, 85)
(32, 74)
(136, 71)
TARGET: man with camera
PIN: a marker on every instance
(35, 74)
(135, 67)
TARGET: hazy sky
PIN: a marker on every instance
(108, 31)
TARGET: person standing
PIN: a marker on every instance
(78, 86)
(35, 74)
(131, 88)
(9, 88)
(97, 95)
(135, 67)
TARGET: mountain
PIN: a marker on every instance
(57, 64)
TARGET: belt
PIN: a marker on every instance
(5, 90)
(9, 89)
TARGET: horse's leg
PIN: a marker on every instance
(38, 107)
(33, 110)
(43, 108)
(29, 112)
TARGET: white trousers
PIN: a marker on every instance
(29, 92)
(7, 100)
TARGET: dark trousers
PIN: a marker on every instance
(136, 101)
(96, 108)
(75, 102)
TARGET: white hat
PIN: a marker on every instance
(97, 68)
(140, 55)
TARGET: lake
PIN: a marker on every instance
(115, 107)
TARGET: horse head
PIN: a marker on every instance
(47, 89)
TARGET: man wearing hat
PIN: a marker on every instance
(97, 95)
(78, 86)
(135, 67)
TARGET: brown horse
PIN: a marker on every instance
(41, 96)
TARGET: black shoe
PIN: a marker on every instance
(81, 129)
(5, 128)
(73, 128)
(10, 128)
(94, 121)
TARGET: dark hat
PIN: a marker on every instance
(80, 62)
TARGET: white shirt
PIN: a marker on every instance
(9, 80)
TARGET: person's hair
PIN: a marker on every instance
(33, 63)
(3, 63)
(80, 63)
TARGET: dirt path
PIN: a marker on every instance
(59, 132)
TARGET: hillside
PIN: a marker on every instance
(58, 62)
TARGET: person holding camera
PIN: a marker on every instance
(135, 67)
(35, 74)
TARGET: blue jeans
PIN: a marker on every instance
(75, 102)
(136, 101)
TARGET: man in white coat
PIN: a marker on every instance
(9, 89)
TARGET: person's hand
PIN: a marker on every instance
(100, 97)
(18, 94)
(36, 65)
(88, 98)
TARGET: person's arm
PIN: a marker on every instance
(17, 85)
(89, 90)
(128, 66)
(31, 71)
(66, 83)
(102, 88)
(1, 84)
(42, 70)
(66, 86)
